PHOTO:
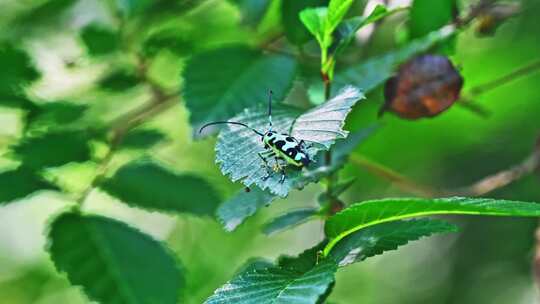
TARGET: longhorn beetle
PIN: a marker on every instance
(279, 146)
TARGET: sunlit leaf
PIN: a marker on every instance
(53, 149)
(243, 80)
(336, 12)
(289, 219)
(114, 263)
(244, 204)
(99, 40)
(369, 213)
(237, 148)
(276, 285)
(19, 183)
(146, 184)
(378, 239)
(314, 20)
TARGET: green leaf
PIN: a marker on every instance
(99, 40)
(19, 183)
(177, 42)
(253, 264)
(304, 262)
(54, 115)
(376, 71)
(241, 206)
(276, 285)
(427, 16)
(289, 220)
(369, 213)
(114, 263)
(294, 30)
(346, 31)
(244, 204)
(336, 12)
(119, 80)
(237, 148)
(220, 83)
(17, 71)
(377, 239)
(146, 184)
(142, 139)
(315, 21)
(53, 149)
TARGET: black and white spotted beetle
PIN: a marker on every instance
(278, 146)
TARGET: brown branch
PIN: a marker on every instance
(479, 188)
(400, 181)
(159, 102)
(502, 178)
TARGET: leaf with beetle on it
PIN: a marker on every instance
(244, 204)
(238, 147)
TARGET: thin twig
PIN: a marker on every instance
(493, 84)
(400, 181)
(502, 178)
(479, 188)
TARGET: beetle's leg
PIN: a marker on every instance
(264, 155)
(280, 169)
(303, 144)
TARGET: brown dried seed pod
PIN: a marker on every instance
(425, 86)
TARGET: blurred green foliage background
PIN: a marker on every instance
(489, 262)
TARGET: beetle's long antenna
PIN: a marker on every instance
(232, 123)
(270, 109)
